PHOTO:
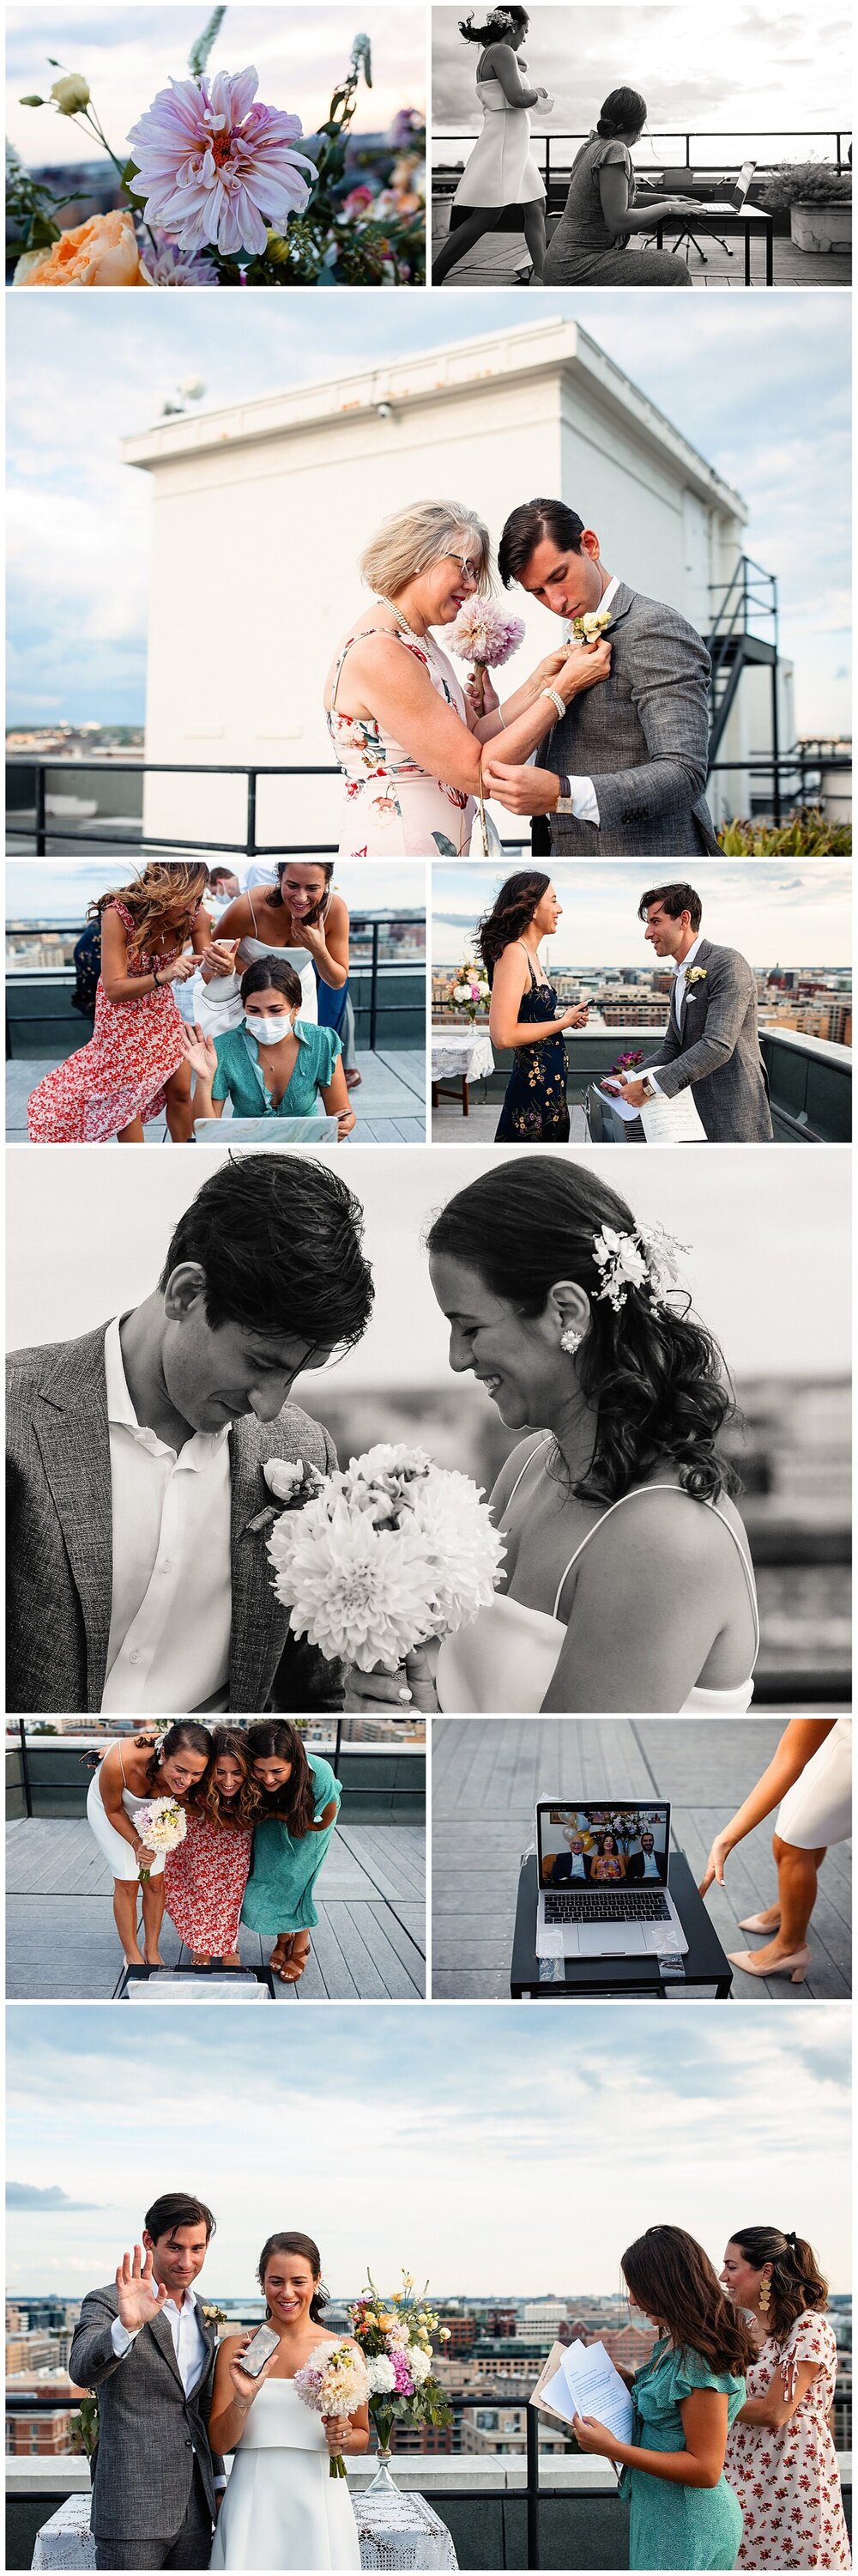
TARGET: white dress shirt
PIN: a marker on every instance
(651, 1867)
(189, 2344)
(585, 805)
(171, 1600)
(678, 996)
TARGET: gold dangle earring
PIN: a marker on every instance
(765, 2298)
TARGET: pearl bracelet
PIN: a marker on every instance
(556, 700)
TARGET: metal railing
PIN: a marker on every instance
(74, 1748)
(542, 143)
(362, 927)
(44, 832)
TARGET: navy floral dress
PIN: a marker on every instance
(535, 1109)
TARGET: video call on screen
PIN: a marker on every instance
(602, 1845)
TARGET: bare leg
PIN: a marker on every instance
(797, 1882)
(534, 234)
(132, 1134)
(463, 237)
(154, 1893)
(125, 1894)
(180, 1114)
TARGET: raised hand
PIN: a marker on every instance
(140, 2296)
(219, 959)
(201, 1054)
(246, 2387)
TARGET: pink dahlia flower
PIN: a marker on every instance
(217, 166)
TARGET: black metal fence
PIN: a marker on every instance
(543, 143)
(63, 1774)
(365, 930)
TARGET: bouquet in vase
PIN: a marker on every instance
(334, 2382)
(383, 1555)
(470, 990)
(161, 1825)
(394, 2336)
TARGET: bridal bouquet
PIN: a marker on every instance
(161, 1825)
(381, 1555)
(485, 637)
(395, 2337)
(334, 2382)
(215, 190)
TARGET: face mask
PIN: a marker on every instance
(267, 1031)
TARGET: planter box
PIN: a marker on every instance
(822, 227)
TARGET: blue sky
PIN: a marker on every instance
(483, 2147)
(60, 889)
(758, 383)
(772, 67)
(789, 915)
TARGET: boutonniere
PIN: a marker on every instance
(214, 2316)
(695, 975)
(294, 1485)
(587, 629)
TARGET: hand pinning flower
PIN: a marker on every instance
(217, 166)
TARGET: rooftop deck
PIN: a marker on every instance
(61, 1940)
(488, 1773)
(389, 1101)
(502, 259)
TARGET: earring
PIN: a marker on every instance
(765, 2299)
(570, 1340)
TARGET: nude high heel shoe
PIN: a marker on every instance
(757, 1923)
(795, 1966)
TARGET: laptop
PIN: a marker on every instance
(602, 1870)
(733, 203)
(312, 1130)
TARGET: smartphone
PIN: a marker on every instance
(256, 2356)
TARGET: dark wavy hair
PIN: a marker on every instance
(623, 112)
(654, 1379)
(488, 34)
(528, 526)
(276, 972)
(675, 898)
(797, 2281)
(274, 894)
(279, 1240)
(509, 915)
(291, 2242)
(178, 2209)
(232, 1813)
(671, 2278)
(295, 1802)
(186, 1735)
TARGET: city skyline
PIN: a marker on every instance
(777, 914)
(374, 2132)
(33, 885)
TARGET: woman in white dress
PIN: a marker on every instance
(408, 741)
(282, 2508)
(810, 1773)
(129, 1775)
(627, 1580)
(501, 170)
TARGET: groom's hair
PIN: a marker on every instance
(177, 2209)
(674, 900)
(528, 526)
(278, 1238)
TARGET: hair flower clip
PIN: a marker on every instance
(644, 1257)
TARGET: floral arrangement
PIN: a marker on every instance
(626, 1062)
(216, 191)
(643, 1257)
(470, 989)
(334, 2382)
(395, 2337)
(588, 628)
(386, 1553)
(161, 1824)
(485, 637)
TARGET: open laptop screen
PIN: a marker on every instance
(602, 1844)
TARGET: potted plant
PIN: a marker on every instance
(818, 198)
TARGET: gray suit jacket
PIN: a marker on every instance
(149, 2431)
(716, 1047)
(642, 735)
(60, 1555)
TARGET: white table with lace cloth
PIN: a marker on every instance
(399, 2531)
(461, 1056)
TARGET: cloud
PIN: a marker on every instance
(50, 2203)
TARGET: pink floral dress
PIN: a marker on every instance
(392, 806)
(205, 1879)
(121, 1074)
(785, 2475)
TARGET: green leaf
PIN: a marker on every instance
(42, 232)
(32, 102)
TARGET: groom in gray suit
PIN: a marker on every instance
(623, 771)
(147, 2348)
(138, 1578)
(712, 1035)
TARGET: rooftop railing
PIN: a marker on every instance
(544, 144)
(47, 1775)
(372, 979)
(810, 1078)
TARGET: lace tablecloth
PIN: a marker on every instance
(461, 1055)
(394, 2532)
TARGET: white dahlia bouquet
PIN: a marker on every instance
(334, 2382)
(395, 2335)
(161, 1824)
(382, 1555)
(484, 636)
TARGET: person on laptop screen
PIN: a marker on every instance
(573, 1864)
(643, 1863)
(609, 1863)
(275, 1065)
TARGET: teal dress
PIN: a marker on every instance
(675, 2526)
(240, 1078)
(279, 1892)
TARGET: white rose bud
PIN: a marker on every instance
(70, 93)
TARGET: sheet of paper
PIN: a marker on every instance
(615, 1101)
(595, 2388)
(673, 1122)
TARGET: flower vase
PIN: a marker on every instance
(383, 2483)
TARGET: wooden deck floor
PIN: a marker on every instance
(501, 259)
(488, 1773)
(389, 1101)
(61, 1940)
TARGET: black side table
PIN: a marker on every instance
(705, 1967)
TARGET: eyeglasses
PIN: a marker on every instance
(470, 566)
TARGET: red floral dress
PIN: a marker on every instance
(205, 1878)
(121, 1074)
(785, 2475)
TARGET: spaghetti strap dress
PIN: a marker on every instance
(536, 1109)
(117, 1852)
(122, 1074)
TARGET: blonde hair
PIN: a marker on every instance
(163, 897)
(413, 539)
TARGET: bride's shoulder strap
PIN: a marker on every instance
(633, 1494)
(532, 1453)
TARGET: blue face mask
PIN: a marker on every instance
(267, 1031)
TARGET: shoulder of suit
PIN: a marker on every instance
(293, 1434)
(658, 614)
(727, 956)
(36, 1361)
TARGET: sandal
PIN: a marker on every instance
(293, 1962)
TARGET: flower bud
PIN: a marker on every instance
(277, 250)
(70, 93)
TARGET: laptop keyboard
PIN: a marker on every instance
(606, 1906)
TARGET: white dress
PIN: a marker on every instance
(501, 170)
(118, 1854)
(282, 2508)
(817, 1810)
(504, 1662)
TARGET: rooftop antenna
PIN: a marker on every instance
(190, 391)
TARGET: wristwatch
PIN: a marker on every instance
(647, 1085)
(565, 802)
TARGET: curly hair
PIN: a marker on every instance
(796, 2281)
(509, 915)
(671, 2278)
(185, 1736)
(290, 2242)
(278, 1238)
(500, 24)
(293, 1805)
(163, 898)
(232, 1813)
(655, 1379)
